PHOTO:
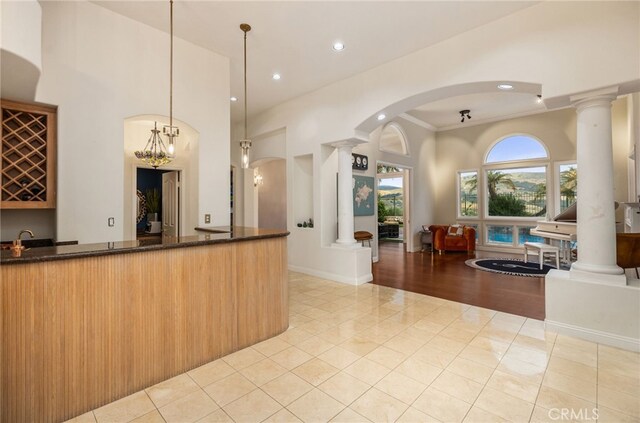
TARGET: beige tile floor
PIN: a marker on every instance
(372, 353)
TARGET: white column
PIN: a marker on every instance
(345, 194)
(596, 210)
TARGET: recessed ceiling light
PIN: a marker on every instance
(505, 86)
(381, 116)
(338, 46)
(276, 76)
(234, 99)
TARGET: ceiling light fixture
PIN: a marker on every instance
(381, 116)
(245, 143)
(234, 99)
(505, 87)
(539, 99)
(257, 179)
(464, 114)
(154, 153)
(338, 46)
(276, 76)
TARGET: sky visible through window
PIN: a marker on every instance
(517, 147)
(391, 182)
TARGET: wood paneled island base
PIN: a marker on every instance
(78, 333)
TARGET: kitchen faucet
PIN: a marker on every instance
(17, 248)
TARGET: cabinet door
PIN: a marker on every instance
(28, 156)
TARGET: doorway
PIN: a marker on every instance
(158, 214)
(393, 206)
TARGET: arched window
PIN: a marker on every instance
(392, 139)
(515, 187)
(516, 148)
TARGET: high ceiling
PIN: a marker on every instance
(295, 38)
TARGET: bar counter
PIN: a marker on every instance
(212, 235)
(84, 325)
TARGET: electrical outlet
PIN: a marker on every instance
(111, 221)
(207, 218)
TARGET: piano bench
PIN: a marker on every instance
(542, 249)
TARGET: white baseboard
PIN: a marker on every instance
(332, 276)
(600, 337)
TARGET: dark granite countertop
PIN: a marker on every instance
(213, 235)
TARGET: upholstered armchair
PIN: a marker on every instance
(453, 238)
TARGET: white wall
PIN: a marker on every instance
(41, 222)
(100, 68)
(20, 42)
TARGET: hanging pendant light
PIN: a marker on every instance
(155, 153)
(245, 143)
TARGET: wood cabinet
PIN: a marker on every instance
(28, 156)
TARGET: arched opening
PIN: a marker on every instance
(140, 178)
(393, 140)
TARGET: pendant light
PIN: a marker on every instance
(155, 153)
(245, 143)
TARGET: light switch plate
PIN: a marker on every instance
(207, 218)
(111, 221)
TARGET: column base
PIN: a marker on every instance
(609, 275)
(348, 245)
(599, 312)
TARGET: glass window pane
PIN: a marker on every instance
(568, 185)
(500, 234)
(518, 192)
(468, 183)
(517, 147)
(524, 235)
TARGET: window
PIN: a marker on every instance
(568, 185)
(517, 192)
(468, 194)
(392, 139)
(524, 235)
(500, 235)
(516, 148)
(513, 191)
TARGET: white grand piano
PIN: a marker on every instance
(562, 227)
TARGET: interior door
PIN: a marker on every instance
(171, 204)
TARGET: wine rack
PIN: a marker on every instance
(28, 156)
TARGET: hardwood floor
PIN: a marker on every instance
(446, 276)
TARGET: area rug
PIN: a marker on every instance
(513, 267)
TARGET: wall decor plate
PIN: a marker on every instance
(142, 206)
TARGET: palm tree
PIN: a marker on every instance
(495, 178)
(472, 183)
(387, 169)
(569, 184)
(541, 192)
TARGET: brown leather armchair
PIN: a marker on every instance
(628, 250)
(442, 241)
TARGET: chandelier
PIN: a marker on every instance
(245, 144)
(155, 153)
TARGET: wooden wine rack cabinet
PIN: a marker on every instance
(28, 156)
